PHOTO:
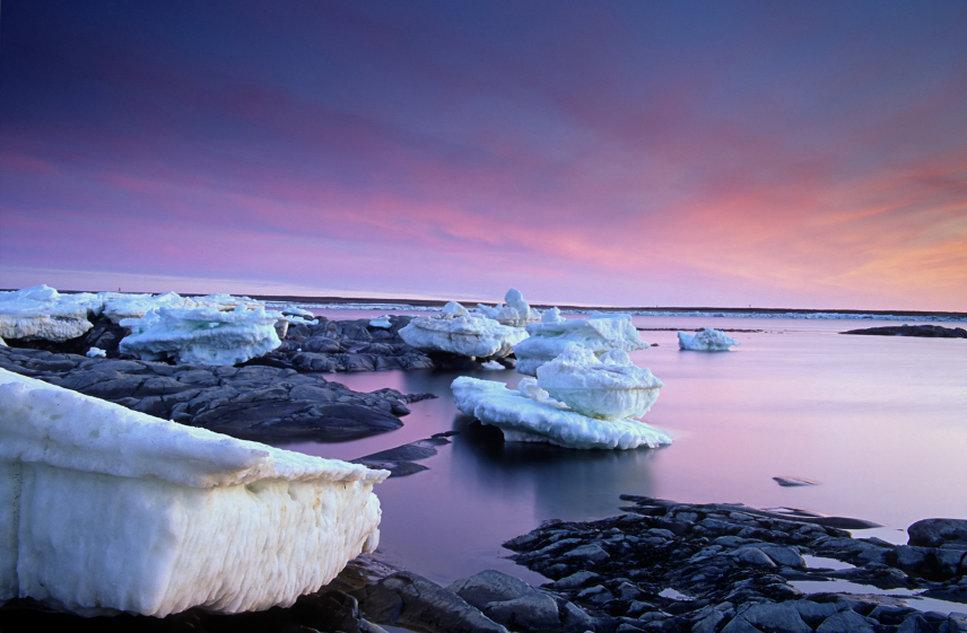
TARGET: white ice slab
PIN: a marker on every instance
(105, 508)
(708, 340)
(457, 331)
(551, 337)
(526, 419)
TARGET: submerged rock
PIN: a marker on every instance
(116, 510)
(707, 340)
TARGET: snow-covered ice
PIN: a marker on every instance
(457, 331)
(202, 335)
(549, 338)
(296, 315)
(527, 414)
(515, 311)
(96, 352)
(708, 340)
(609, 387)
(382, 322)
(105, 508)
(40, 312)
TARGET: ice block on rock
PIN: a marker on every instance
(526, 414)
(457, 331)
(109, 509)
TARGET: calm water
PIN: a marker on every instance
(880, 422)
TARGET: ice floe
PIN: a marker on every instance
(607, 387)
(528, 414)
(708, 340)
(40, 312)
(202, 335)
(599, 333)
(109, 509)
(459, 331)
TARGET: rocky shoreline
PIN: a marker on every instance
(662, 566)
(250, 402)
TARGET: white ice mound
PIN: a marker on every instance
(611, 387)
(40, 312)
(708, 340)
(457, 331)
(382, 323)
(514, 311)
(551, 337)
(530, 418)
(105, 508)
(202, 335)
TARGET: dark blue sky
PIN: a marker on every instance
(633, 153)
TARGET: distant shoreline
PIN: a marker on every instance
(641, 310)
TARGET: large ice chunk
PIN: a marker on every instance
(708, 340)
(551, 337)
(457, 331)
(610, 387)
(202, 335)
(527, 414)
(40, 312)
(105, 508)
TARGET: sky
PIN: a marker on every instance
(795, 154)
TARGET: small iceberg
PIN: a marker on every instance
(529, 414)
(457, 331)
(382, 323)
(609, 387)
(106, 510)
(514, 311)
(708, 340)
(202, 335)
(96, 352)
(42, 313)
(548, 339)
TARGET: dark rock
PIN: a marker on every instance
(789, 482)
(491, 586)
(937, 532)
(933, 331)
(254, 402)
(845, 622)
(401, 461)
(532, 612)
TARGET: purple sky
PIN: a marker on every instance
(640, 153)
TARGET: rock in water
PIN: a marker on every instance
(708, 340)
(931, 331)
(526, 414)
(110, 509)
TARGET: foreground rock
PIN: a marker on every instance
(108, 509)
(720, 567)
(256, 402)
(932, 331)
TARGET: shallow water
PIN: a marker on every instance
(879, 422)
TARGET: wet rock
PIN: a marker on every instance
(401, 461)
(932, 331)
(532, 612)
(937, 532)
(255, 402)
(845, 622)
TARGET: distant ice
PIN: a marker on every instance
(708, 340)
(459, 331)
(202, 335)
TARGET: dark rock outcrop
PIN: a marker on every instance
(401, 460)
(932, 331)
(254, 402)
